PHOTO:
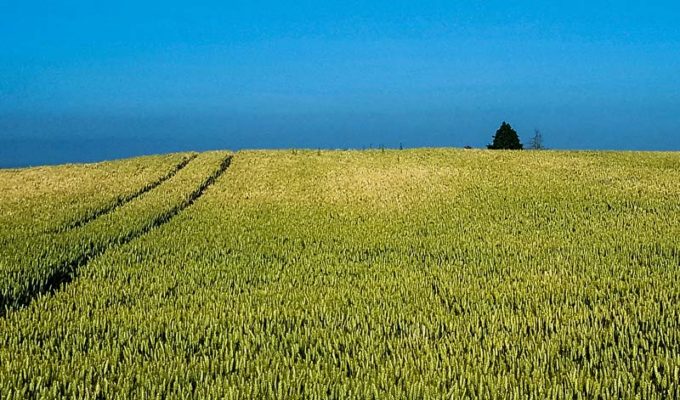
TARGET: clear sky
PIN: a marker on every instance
(85, 80)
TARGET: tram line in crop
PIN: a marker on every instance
(66, 271)
(125, 199)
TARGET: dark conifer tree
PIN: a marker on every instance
(505, 139)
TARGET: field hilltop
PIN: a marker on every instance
(420, 273)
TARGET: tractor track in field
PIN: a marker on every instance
(124, 199)
(67, 272)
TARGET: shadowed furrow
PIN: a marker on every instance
(124, 199)
(62, 255)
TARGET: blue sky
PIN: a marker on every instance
(124, 78)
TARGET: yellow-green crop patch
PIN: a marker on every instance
(34, 200)
(44, 261)
(399, 274)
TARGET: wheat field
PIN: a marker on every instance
(424, 273)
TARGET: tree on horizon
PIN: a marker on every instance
(505, 139)
(537, 141)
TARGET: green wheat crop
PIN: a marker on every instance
(365, 274)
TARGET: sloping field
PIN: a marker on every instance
(35, 200)
(396, 274)
(43, 261)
